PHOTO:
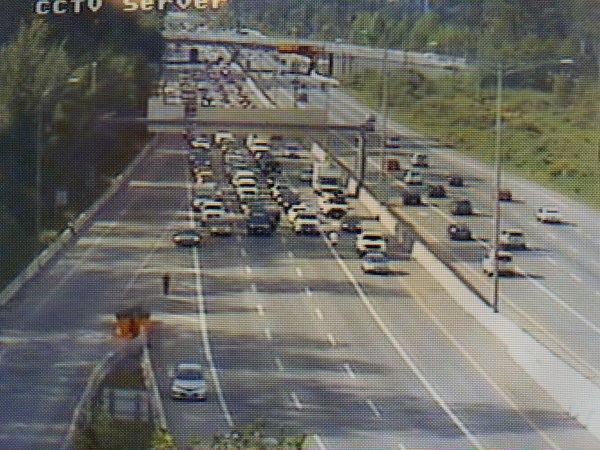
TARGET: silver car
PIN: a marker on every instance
(188, 382)
(375, 262)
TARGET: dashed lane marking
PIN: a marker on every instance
(331, 339)
(268, 334)
(319, 313)
(296, 401)
(349, 371)
(299, 272)
(373, 408)
(279, 364)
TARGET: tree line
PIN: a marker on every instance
(58, 77)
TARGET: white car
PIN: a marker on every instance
(512, 239)
(306, 222)
(419, 160)
(413, 177)
(370, 241)
(295, 210)
(212, 210)
(548, 215)
(375, 262)
(505, 263)
(222, 137)
(200, 143)
(394, 142)
(188, 382)
(247, 193)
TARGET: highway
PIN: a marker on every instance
(555, 295)
(300, 338)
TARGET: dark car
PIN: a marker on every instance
(288, 198)
(462, 208)
(259, 223)
(188, 238)
(410, 198)
(459, 232)
(437, 191)
(504, 195)
(351, 225)
(456, 181)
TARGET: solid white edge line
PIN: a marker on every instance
(331, 339)
(319, 313)
(349, 371)
(279, 364)
(405, 357)
(204, 325)
(268, 334)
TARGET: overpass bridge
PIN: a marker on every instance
(341, 56)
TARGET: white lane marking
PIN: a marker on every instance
(299, 272)
(279, 364)
(319, 442)
(243, 252)
(238, 238)
(296, 401)
(2, 354)
(552, 236)
(308, 292)
(421, 302)
(551, 261)
(573, 250)
(349, 371)
(537, 325)
(597, 293)
(401, 446)
(204, 326)
(405, 357)
(248, 270)
(558, 300)
(575, 278)
(373, 408)
(291, 255)
(423, 213)
(331, 339)
(283, 240)
(260, 310)
(268, 334)
(253, 288)
(319, 313)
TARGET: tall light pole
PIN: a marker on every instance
(500, 74)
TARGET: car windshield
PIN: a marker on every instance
(189, 375)
(307, 216)
(504, 258)
(372, 237)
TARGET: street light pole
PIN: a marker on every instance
(38, 162)
(498, 170)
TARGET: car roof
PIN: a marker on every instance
(189, 366)
(375, 255)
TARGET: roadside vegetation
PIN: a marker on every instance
(550, 135)
(58, 78)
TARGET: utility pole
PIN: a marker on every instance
(498, 167)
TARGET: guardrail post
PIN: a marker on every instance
(362, 158)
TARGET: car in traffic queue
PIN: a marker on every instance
(188, 383)
(459, 232)
(376, 263)
(419, 160)
(456, 181)
(462, 208)
(202, 143)
(370, 241)
(186, 238)
(413, 178)
(410, 198)
(437, 191)
(306, 222)
(259, 223)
